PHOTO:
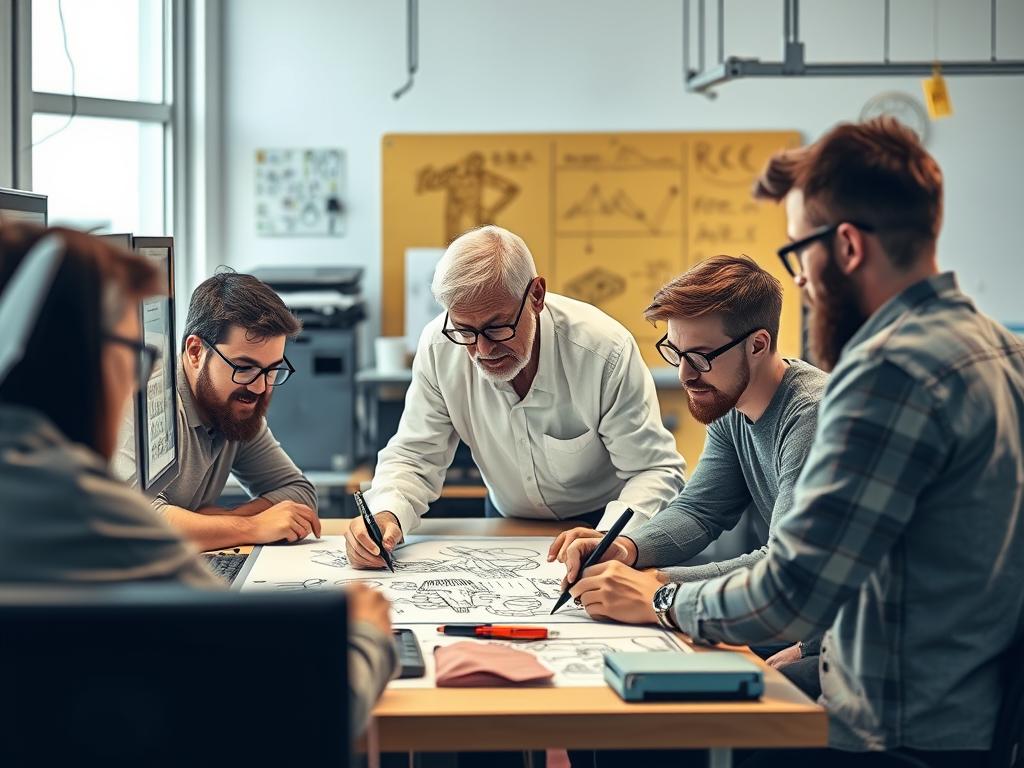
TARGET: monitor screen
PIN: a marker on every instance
(158, 422)
(16, 205)
(126, 464)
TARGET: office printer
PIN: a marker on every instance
(314, 413)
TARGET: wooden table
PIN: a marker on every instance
(458, 719)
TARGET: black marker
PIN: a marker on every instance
(373, 529)
(597, 554)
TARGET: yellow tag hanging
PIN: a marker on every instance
(936, 96)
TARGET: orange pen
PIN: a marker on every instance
(502, 632)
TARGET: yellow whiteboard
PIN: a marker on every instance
(609, 217)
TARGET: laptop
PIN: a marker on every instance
(162, 676)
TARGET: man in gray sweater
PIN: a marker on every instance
(761, 411)
(232, 358)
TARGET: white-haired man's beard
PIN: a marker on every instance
(708, 404)
(835, 316)
(511, 364)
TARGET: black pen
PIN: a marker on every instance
(597, 554)
(373, 529)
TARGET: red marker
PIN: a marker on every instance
(494, 630)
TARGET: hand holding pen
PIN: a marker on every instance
(370, 539)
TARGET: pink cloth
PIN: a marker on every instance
(471, 663)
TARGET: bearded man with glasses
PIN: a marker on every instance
(232, 358)
(761, 411)
(550, 394)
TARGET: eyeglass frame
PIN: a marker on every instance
(795, 247)
(264, 372)
(477, 333)
(707, 356)
(149, 355)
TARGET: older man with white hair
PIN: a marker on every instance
(551, 395)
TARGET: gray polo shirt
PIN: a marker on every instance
(745, 465)
(206, 458)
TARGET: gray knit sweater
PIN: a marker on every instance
(744, 464)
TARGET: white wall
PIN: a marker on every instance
(321, 73)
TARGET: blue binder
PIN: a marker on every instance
(660, 676)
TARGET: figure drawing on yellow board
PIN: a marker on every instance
(466, 183)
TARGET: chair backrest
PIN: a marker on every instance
(1008, 739)
(160, 677)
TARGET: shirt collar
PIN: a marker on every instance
(188, 400)
(942, 285)
(545, 378)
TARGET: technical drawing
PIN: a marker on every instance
(617, 215)
(596, 286)
(584, 657)
(514, 598)
(333, 558)
(725, 166)
(466, 183)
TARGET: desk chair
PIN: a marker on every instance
(160, 676)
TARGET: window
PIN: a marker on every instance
(107, 167)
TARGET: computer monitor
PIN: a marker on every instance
(157, 676)
(126, 463)
(17, 205)
(158, 416)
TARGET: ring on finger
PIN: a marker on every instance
(578, 601)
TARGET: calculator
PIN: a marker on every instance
(409, 655)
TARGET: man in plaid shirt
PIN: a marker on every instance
(906, 537)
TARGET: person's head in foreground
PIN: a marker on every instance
(80, 364)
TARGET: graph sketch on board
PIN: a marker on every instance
(435, 579)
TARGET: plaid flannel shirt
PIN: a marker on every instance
(906, 539)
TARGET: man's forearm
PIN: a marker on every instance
(208, 531)
(250, 508)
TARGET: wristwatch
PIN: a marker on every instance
(663, 600)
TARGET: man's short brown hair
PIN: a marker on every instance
(874, 173)
(231, 298)
(745, 296)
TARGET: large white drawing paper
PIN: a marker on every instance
(437, 579)
(575, 654)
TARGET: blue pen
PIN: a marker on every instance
(373, 528)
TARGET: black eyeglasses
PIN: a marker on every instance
(699, 361)
(276, 375)
(790, 252)
(468, 336)
(149, 355)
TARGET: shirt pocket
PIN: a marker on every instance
(577, 459)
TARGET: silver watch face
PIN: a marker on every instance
(663, 597)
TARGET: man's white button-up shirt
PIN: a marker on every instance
(588, 435)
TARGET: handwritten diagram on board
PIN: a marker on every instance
(435, 580)
(609, 218)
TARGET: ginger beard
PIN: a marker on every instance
(236, 422)
(708, 403)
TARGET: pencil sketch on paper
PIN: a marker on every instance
(480, 561)
(584, 657)
(512, 598)
(435, 579)
(574, 652)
